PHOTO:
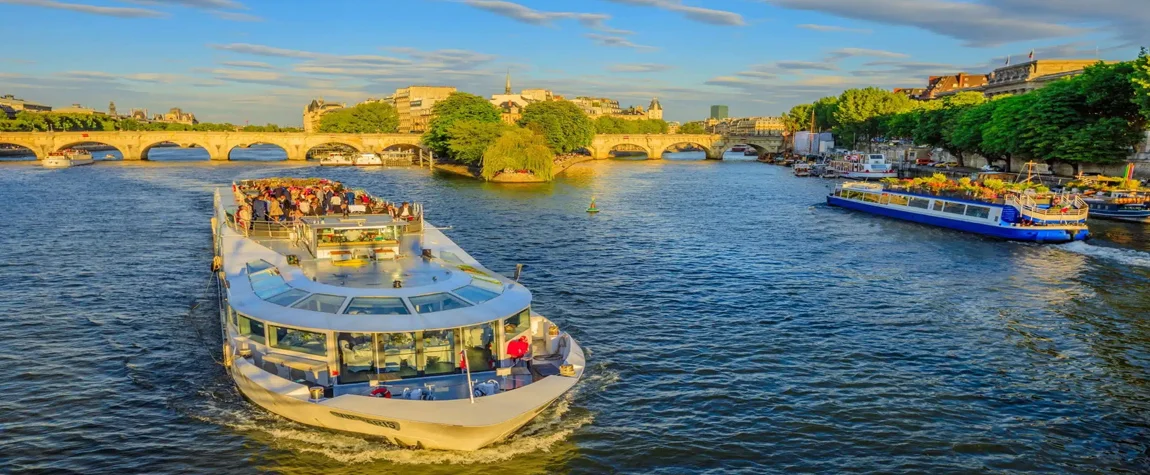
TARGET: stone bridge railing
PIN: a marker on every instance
(135, 145)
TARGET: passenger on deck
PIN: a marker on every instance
(244, 217)
(275, 211)
(404, 210)
(259, 210)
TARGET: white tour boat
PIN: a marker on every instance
(863, 166)
(801, 169)
(368, 159)
(377, 323)
(68, 158)
(336, 159)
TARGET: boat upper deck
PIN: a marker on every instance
(305, 270)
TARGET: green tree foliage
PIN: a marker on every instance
(1000, 136)
(859, 113)
(458, 106)
(1141, 81)
(51, 121)
(615, 125)
(469, 139)
(366, 118)
(825, 113)
(966, 131)
(565, 126)
(798, 118)
(519, 149)
(692, 128)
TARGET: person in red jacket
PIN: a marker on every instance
(517, 349)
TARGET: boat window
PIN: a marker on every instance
(437, 302)
(358, 236)
(450, 257)
(321, 303)
(871, 197)
(439, 352)
(479, 343)
(977, 211)
(919, 203)
(884, 199)
(952, 207)
(475, 294)
(938, 204)
(356, 358)
(287, 298)
(253, 329)
(302, 341)
(517, 323)
(396, 354)
(376, 306)
(256, 266)
(898, 200)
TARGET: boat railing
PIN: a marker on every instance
(1075, 208)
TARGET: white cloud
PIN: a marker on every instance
(616, 42)
(639, 68)
(699, 14)
(531, 16)
(119, 12)
(830, 28)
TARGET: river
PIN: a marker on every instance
(734, 323)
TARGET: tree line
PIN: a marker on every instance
(53, 121)
(1098, 116)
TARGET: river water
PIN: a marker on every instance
(734, 323)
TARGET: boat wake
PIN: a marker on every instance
(549, 428)
(1128, 257)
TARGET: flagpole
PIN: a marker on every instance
(470, 385)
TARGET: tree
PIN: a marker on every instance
(1141, 81)
(1000, 136)
(457, 106)
(798, 118)
(617, 125)
(366, 118)
(469, 139)
(519, 149)
(966, 134)
(825, 113)
(695, 127)
(565, 126)
(859, 112)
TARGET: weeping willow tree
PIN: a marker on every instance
(518, 149)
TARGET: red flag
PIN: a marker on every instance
(1031, 54)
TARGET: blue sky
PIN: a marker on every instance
(263, 60)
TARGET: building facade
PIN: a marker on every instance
(911, 92)
(938, 86)
(744, 126)
(1025, 77)
(314, 111)
(11, 105)
(414, 105)
(78, 109)
(598, 106)
(176, 116)
(511, 105)
(719, 112)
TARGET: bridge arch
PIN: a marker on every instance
(315, 152)
(258, 151)
(675, 147)
(12, 152)
(174, 151)
(629, 150)
(100, 150)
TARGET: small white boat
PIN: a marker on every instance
(801, 169)
(68, 158)
(368, 159)
(864, 166)
(334, 159)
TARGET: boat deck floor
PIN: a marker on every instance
(409, 267)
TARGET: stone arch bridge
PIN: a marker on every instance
(135, 145)
(655, 144)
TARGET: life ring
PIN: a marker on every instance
(217, 263)
(381, 392)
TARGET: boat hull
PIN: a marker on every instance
(1134, 217)
(1013, 233)
(866, 176)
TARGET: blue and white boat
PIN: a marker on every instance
(1018, 217)
(1120, 206)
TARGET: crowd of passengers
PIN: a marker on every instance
(289, 200)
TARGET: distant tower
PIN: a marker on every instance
(507, 87)
(112, 109)
(655, 110)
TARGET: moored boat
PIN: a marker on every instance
(68, 158)
(375, 322)
(1016, 216)
(801, 169)
(739, 148)
(336, 159)
(368, 159)
(1120, 206)
(863, 166)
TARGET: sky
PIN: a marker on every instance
(261, 61)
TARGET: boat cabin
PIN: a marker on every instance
(356, 237)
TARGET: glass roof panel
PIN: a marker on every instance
(376, 306)
(287, 298)
(437, 302)
(475, 294)
(321, 303)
